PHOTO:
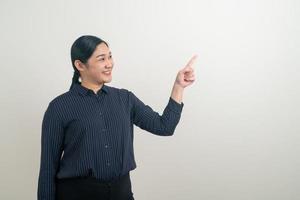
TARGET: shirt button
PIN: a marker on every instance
(106, 146)
(108, 163)
(100, 113)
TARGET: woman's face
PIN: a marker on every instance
(98, 68)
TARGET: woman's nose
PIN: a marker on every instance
(109, 64)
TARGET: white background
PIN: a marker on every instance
(238, 137)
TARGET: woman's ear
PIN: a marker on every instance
(79, 65)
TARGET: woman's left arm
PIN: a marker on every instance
(148, 119)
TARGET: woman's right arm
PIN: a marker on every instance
(51, 150)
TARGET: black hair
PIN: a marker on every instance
(82, 49)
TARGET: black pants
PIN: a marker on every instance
(89, 188)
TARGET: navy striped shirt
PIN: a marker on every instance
(84, 133)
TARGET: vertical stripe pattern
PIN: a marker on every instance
(84, 134)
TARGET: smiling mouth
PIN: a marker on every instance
(107, 73)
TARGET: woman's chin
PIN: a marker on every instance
(107, 79)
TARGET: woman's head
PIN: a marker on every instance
(91, 60)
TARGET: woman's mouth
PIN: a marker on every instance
(107, 72)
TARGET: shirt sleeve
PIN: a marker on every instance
(147, 119)
(51, 150)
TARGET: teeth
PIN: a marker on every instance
(106, 72)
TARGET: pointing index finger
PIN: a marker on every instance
(191, 61)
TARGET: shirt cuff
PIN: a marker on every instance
(175, 106)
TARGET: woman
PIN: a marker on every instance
(87, 132)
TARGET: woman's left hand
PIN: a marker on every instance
(186, 76)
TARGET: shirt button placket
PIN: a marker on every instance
(103, 129)
(101, 114)
(106, 146)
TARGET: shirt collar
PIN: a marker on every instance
(85, 91)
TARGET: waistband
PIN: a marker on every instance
(91, 178)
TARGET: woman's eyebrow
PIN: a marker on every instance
(103, 54)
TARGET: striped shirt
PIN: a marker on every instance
(84, 133)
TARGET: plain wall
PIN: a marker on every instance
(238, 137)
